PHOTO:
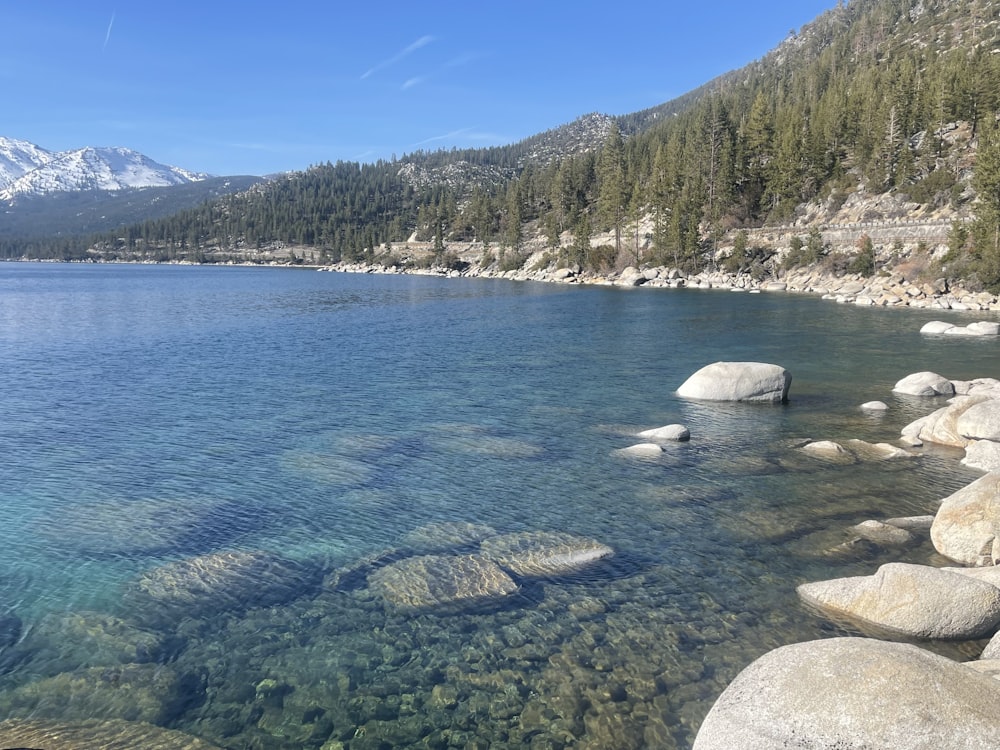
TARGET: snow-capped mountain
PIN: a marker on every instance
(29, 170)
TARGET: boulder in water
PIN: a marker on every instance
(542, 553)
(434, 581)
(912, 600)
(669, 433)
(924, 384)
(738, 381)
(967, 525)
(853, 693)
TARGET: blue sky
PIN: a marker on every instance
(256, 88)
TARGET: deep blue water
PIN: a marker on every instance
(156, 413)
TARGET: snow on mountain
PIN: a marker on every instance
(26, 169)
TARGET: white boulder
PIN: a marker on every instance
(875, 406)
(671, 432)
(924, 384)
(854, 693)
(983, 455)
(738, 381)
(967, 524)
(917, 601)
(641, 450)
(936, 326)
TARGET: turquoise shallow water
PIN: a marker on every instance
(152, 414)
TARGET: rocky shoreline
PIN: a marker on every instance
(884, 690)
(890, 290)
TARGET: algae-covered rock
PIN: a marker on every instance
(95, 735)
(543, 553)
(431, 581)
(65, 641)
(134, 692)
(218, 582)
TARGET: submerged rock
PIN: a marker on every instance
(91, 735)
(431, 581)
(738, 381)
(853, 693)
(218, 582)
(884, 534)
(543, 553)
(641, 450)
(829, 451)
(66, 641)
(924, 384)
(134, 692)
(447, 534)
(912, 600)
(967, 524)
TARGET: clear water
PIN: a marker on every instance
(155, 413)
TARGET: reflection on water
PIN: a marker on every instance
(204, 468)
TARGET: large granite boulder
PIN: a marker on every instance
(967, 524)
(93, 734)
(942, 426)
(209, 584)
(738, 381)
(543, 553)
(916, 601)
(440, 581)
(854, 694)
(924, 384)
(983, 455)
(980, 421)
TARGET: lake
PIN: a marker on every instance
(152, 415)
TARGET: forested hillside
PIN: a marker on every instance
(862, 99)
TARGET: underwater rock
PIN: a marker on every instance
(738, 381)
(641, 450)
(93, 735)
(853, 693)
(829, 451)
(883, 534)
(431, 581)
(447, 534)
(218, 582)
(123, 527)
(134, 692)
(66, 641)
(912, 600)
(543, 553)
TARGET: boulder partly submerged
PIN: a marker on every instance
(88, 735)
(543, 553)
(924, 384)
(738, 381)
(440, 581)
(967, 525)
(916, 601)
(854, 693)
(668, 433)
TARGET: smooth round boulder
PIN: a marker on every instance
(916, 601)
(671, 432)
(983, 455)
(641, 450)
(936, 326)
(853, 694)
(874, 406)
(829, 451)
(738, 381)
(967, 524)
(924, 384)
(941, 426)
(881, 533)
(985, 327)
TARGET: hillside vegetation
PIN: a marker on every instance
(888, 103)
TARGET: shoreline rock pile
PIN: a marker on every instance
(870, 691)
